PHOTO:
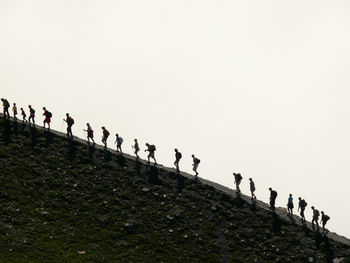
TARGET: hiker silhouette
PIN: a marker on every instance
(178, 157)
(6, 106)
(252, 188)
(70, 121)
(290, 205)
(151, 149)
(301, 206)
(238, 179)
(273, 196)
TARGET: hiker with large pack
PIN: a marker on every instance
(151, 149)
(290, 205)
(119, 140)
(252, 188)
(70, 121)
(31, 114)
(178, 157)
(6, 106)
(136, 148)
(195, 164)
(90, 133)
(302, 205)
(238, 179)
(315, 216)
(104, 136)
(47, 119)
(273, 196)
(324, 220)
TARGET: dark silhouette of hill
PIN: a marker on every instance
(65, 201)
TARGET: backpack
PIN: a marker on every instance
(49, 114)
(238, 177)
(32, 111)
(6, 103)
(120, 140)
(317, 213)
(178, 155)
(106, 133)
(196, 160)
(274, 194)
(304, 203)
(70, 121)
(152, 147)
(326, 218)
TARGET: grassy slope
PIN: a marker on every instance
(54, 203)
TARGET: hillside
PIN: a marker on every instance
(64, 201)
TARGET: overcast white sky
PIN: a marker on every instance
(257, 87)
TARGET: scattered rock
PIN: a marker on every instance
(145, 189)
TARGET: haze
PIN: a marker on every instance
(256, 87)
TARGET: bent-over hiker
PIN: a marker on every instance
(105, 136)
(238, 180)
(273, 196)
(252, 188)
(70, 121)
(6, 106)
(195, 164)
(315, 216)
(90, 133)
(119, 140)
(151, 149)
(324, 220)
(302, 205)
(178, 157)
(47, 119)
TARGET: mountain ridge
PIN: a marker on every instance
(46, 140)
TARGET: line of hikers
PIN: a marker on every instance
(151, 148)
(273, 195)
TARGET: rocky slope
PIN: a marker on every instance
(64, 201)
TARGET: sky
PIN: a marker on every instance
(256, 87)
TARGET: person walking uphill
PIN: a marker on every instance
(14, 110)
(31, 114)
(151, 149)
(290, 205)
(324, 220)
(238, 179)
(136, 148)
(315, 216)
(24, 115)
(252, 188)
(70, 121)
(90, 133)
(105, 136)
(47, 119)
(178, 157)
(6, 106)
(302, 205)
(273, 196)
(119, 141)
(195, 164)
